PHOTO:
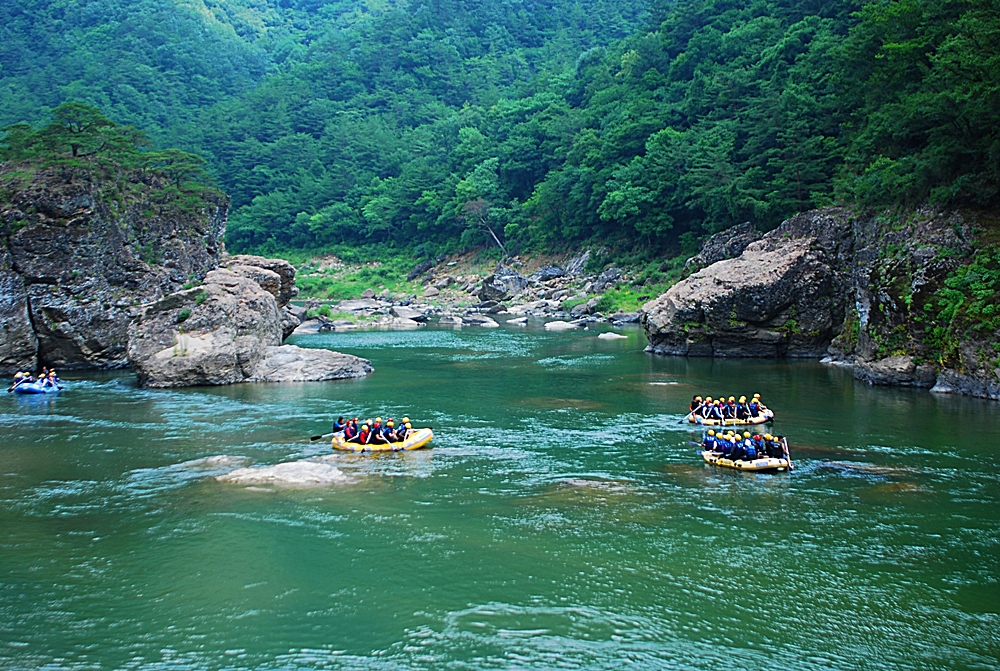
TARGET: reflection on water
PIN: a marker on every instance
(560, 518)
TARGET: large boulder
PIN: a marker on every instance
(289, 363)
(214, 334)
(774, 300)
(502, 284)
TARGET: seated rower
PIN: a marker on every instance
(737, 448)
(363, 437)
(696, 403)
(760, 404)
(706, 408)
(717, 411)
(709, 442)
(377, 435)
(389, 432)
(749, 449)
(742, 413)
(404, 431)
(339, 426)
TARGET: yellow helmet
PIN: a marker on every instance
(711, 432)
(378, 419)
(746, 434)
(364, 427)
(405, 420)
(708, 399)
(743, 399)
(732, 399)
(767, 436)
(407, 425)
(756, 395)
(389, 423)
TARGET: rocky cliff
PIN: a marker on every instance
(904, 299)
(78, 259)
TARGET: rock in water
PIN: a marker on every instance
(214, 334)
(227, 330)
(774, 300)
(289, 363)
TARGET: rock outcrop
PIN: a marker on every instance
(74, 269)
(862, 289)
(227, 330)
(502, 285)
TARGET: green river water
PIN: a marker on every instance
(561, 520)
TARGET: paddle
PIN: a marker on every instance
(687, 416)
(325, 436)
(788, 455)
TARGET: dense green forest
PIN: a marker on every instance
(435, 125)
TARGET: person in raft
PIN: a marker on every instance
(339, 426)
(363, 437)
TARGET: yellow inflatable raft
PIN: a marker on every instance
(763, 418)
(417, 439)
(762, 464)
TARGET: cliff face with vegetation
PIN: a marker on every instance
(90, 229)
(76, 267)
(906, 299)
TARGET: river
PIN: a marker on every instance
(561, 520)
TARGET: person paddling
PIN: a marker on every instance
(376, 435)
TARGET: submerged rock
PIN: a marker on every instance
(292, 474)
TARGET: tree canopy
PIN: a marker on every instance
(439, 124)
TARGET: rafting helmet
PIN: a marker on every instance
(743, 399)
(746, 434)
(697, 398)
(732, 399)
(405, 420)
(708, 399)
(756, 395)
(407, 425)
(388, 422)
(364, 427)
(711, 432)
(767, 436)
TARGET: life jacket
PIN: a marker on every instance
(710, 443)
(717, 412)
(350, 431)
(364, 437)
(706, 411)
(741, 411)
(338, 427)
(750, 449)
(754, 408)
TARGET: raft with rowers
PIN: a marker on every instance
(374, 436)
(749, 452)
(721, 412)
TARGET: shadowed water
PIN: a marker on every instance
(561, 520)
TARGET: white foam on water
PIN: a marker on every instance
(304, 473)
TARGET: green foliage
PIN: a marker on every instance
(183, 315)
(967, 305)
(440, 127)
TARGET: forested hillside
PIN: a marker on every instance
(438, 124)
